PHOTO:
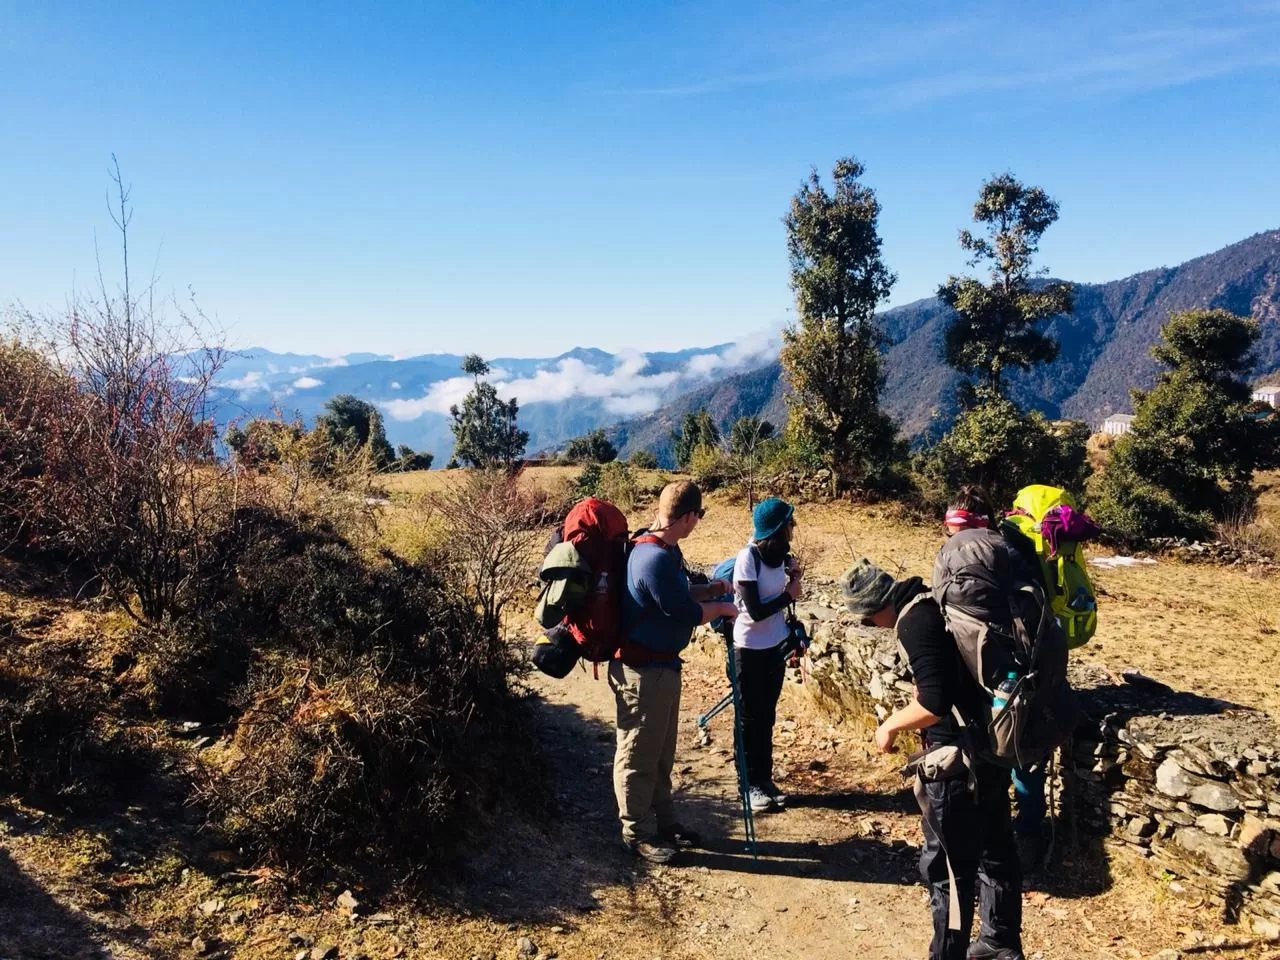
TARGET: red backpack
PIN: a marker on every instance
(599, 530)
(591, 627)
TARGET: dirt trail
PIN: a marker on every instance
(836, 878)
(837, 874)
(829, 878)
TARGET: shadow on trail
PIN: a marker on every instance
(899, 801)
(860, 859)
(544, 868)
(36, 926)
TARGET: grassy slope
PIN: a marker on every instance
(1209, 629)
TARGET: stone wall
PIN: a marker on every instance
(1189, 782)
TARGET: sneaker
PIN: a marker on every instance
(659, 852)
(760, 802)
(979, 950)
(777, 795)
(680, 838)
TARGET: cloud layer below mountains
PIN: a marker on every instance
(628, 389)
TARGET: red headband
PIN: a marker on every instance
(963, 518)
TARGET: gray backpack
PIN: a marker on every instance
(994, 604)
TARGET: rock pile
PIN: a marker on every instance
(1213, 551)
(1190, 782)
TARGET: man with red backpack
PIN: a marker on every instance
(660, 610)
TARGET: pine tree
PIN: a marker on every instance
(485, 429)
(1196, 438)
(994, 329)
(832, 355)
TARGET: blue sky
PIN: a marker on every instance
(522, 178)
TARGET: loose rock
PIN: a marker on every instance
(1214, 824)
(1215, 796)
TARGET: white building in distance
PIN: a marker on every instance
(1269, 395)
(1117, 424)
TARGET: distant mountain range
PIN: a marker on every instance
(1105, 350)
(560, 397)
(641, 397)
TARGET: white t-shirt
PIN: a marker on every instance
(770, 581)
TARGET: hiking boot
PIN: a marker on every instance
(761, 802)
(680, 838)
(775, 794)
(659, 852)
(980, 950)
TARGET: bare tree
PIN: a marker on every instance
(128, 478)
(491, 522)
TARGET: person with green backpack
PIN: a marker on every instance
(1047, 527)
(1049, 518)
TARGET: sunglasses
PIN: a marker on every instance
(700, 512)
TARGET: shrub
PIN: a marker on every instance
(1196, 438)
(47, 717)
(492, 519)
(1002, 449)
(375, 712)
(593, 447)
(612, 481)
(710, 467)
(643, 460)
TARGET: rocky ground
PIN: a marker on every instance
(836, 876)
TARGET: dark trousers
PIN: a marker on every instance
(760, 676)
(978, 837)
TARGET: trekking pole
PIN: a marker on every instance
(788, 650)
(724, 702)
(740, 756)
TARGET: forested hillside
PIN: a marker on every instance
(1105, 349)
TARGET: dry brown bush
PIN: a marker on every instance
(492, 521)
(376, 708)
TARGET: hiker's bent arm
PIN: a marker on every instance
(914, 716)
(670, 590)
(757, 609)
(703, 592)
(718, 609)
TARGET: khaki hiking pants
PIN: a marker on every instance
(648, 701)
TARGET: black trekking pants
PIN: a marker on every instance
(978, 836)
(760, 676)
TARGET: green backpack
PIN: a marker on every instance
(1070, 591)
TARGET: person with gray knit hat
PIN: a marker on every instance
(969, 828)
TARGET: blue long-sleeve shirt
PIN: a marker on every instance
(658, 612)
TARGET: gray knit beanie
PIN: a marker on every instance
(866, 588)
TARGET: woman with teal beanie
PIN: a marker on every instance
(766, 580)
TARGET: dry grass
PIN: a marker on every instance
(1212, 630)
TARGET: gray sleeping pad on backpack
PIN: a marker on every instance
(994, 604)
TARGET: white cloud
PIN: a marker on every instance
(335, 362)
(626, 390)
(634, 405)
(395, 384)
(249, 382)
(306, 383)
